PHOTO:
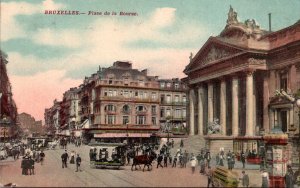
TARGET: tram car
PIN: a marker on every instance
(222, 177)
(107, 155)
(38, 143)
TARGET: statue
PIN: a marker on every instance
(191, 57)
(214, 127)
(232, 16)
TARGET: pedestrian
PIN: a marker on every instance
(170, 159)
(172, 142)
(209, 176)
(23, 166)
(42, 156)
(165, 160)
(221, 159)
(243, 159)
(31, 166)
(174, 161)
(193, 163)
(202, 163)
(159, 160)
(289, 177)
(208, 158)
(181, 143)
(64, 158)
(72, 160)
(265, 179)
(78, 163)
(245, 179)
(232, 161)
(185, 158)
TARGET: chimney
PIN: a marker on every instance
(270, 22)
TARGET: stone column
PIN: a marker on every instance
(266, 96)
(223, 106)
(192, 112)
(249, 105)
(272, 83)
(272, 119)
(200, 109)
(210, 97)
(235, 105)
(292, 79)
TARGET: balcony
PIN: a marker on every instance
(127, 83)
(127, 99)
(172, 103)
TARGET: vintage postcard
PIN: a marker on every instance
(149, 93)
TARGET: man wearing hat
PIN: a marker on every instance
(245, 179)
(64, 158)
(78, 163)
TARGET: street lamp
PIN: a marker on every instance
(298, 105)
(168, 130)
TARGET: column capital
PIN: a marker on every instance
(249, 72)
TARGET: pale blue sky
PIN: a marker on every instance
(49, 50)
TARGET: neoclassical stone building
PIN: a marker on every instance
(235, 78)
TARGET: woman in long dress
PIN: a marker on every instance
(72, 160)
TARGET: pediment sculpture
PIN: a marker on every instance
(215, 54)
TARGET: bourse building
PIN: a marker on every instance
(238, 79)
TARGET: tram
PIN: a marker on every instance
(107, 155)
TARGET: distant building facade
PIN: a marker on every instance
(237, 79)
(172, 94)
(29, 125)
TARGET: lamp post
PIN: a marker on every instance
(298, 105)
(127, 132)
(168, 129)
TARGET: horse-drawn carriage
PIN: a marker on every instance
(107, 155)
(222, 177)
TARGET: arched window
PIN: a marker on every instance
(126, 109)
(140, 108)
(110, 108)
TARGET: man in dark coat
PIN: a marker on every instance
(78, 163)
(245, 179)
(243, 158)
(165, 160)
(174, 161)
(289, 177)
(24, 165)
(42, 156)
(31, 166)
(159, 160)
(64, 158)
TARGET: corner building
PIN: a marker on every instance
(120, 103)
(235, 78)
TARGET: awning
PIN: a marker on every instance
(122, 135)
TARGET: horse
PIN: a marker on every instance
(146, 160)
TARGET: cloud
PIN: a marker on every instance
(64, 38)
(34, 94)
(163, 17)
(9, 12)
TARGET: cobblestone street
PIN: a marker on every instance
(52, 174)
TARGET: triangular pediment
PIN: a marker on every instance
(212, 51)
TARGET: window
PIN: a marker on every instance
(110, 93)
(115, 93)
(162, 98)
(140, 120)
(125, 120)
(176, 98)
(141, 83)
(110, 119)
(140, 95)
(168, 98)
(126, 94)
(162, 84)
(126, 109)
(110, 82)
(140, 108)
(168, 112)
(136, 93)
(176, 86)
(110, 108)
(153, 120)
(162, 112)
(153, 96)
(283, 81)
(178, 113)
(168, 85)
(184, 99)
(105, 93)
(184, 113)
(153, 109)
(145, 95)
